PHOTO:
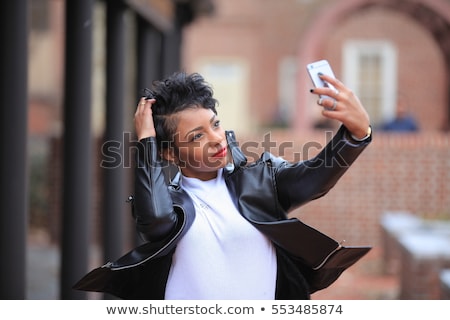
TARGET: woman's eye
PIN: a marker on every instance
(217, 124)
(196, 137)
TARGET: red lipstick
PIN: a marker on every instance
(221, 153)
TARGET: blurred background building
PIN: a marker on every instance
(254, 53)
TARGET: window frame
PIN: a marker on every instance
(353, 52)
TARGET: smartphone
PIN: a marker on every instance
(321, 66)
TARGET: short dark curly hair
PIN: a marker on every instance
(176, 93)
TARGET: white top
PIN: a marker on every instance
(222, 256)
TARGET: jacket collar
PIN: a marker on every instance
(239, 159)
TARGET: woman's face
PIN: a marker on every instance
(200, 144)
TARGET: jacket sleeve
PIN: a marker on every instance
(153, 209)
(301, 182)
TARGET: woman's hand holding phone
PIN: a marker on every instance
(338, 101)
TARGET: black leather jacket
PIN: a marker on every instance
(264, 193)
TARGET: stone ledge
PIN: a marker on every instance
(444, 277)
(394, 224)
(419, 251)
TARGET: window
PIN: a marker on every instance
(229, 80)
(370, 69)
(287, 86)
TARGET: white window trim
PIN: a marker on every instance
(225, 74)
(287, 86)
(353, 49)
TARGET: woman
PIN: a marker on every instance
(220, 228)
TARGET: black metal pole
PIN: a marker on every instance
(149, 65)
(173, 40)
(172, 46)
(149, 55)
(13, 141)
(114, 176)
(77, 144)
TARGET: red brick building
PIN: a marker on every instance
(255, 51)
(378, 48)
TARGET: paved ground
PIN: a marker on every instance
(42, 272)
(363, 281)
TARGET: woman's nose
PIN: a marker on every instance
(217, 137)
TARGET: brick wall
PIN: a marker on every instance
(396, 172)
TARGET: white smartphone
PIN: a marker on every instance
(321, 66)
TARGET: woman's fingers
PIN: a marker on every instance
(340, 103)
(143, 119)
